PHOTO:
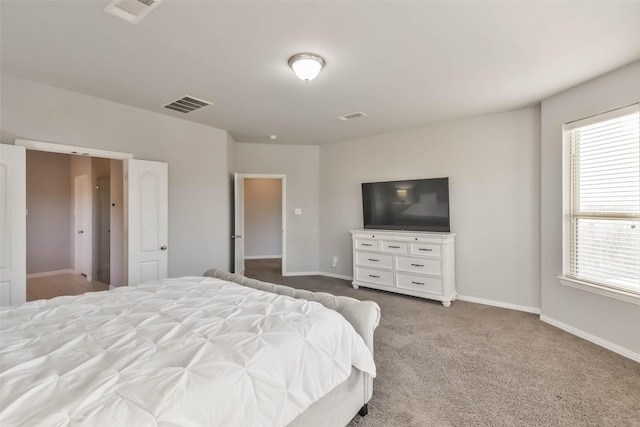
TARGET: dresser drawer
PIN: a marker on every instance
(374, 260)
(419, 283)
(394, 247)
(367, 245)
(427, 249)
(419, 265)
(374, 276)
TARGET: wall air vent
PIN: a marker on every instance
(131, 10)
(187, 104)
(352, 116)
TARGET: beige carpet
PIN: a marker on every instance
(476, 365)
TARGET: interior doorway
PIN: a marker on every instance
(260, 219)
(143, 189)
(70, 214)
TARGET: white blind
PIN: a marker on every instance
(604, 185)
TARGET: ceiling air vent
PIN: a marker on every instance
(131, 10)
(187, 104)
(352, 116)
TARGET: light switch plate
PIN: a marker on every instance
(297, 211)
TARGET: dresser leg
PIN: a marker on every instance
(363, 411)
(446, 303)
(355, 286)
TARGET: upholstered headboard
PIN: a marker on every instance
(364, 316)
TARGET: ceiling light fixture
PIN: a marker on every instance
(306, 66)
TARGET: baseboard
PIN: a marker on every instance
(50, 273)
(336, 276)
(301, 273)
(500, 304)
(263, 257)
(592, 338)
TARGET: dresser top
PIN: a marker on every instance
(401, 234)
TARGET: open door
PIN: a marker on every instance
(83, 226)
(147, 220)
(238, 237)
(13, 225)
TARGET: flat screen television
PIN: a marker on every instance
(418, 204)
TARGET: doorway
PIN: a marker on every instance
(70, 210)
(260, 219)
(144, 191)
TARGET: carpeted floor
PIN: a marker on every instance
(476, 365)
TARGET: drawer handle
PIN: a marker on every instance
(374, 276)
(366, 244)
(417, 283)
(426, 250)
(375, 260)
(394, 247)
(417, 265)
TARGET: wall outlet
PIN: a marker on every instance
(334, 262)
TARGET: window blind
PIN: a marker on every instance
(604, 185)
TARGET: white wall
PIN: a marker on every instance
(493, 167)
(49, 201)
(300, 164)
(263, 217)
(600, 318)
(197, 156)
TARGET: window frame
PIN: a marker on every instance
(568, 211)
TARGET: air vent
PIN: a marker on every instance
(131, 10)
(352, 116)
(187, 104)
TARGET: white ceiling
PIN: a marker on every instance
(405, 64)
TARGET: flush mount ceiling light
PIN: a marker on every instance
(306, 66)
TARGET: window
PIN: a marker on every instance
(602, 201)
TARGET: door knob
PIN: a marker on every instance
(81, 232)
(163, 248)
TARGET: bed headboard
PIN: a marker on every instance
(364, 316)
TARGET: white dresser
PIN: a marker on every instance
(407, 262)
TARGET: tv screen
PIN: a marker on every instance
(419, 204)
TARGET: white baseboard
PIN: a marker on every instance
(262, 256)
(524, 308)
(592, 338)
(318, 273)
(336, 276)
(301, 273)
(50, 273)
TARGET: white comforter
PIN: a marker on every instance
(182, 352)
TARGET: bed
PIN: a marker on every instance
(217, 349)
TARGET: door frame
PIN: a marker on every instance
(51, 147)
(74, 150)
(283, 181)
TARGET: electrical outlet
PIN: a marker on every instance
(334, 262)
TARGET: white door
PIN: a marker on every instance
(147, 223)
(13, 202)
(238, 237)
(83, 228)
